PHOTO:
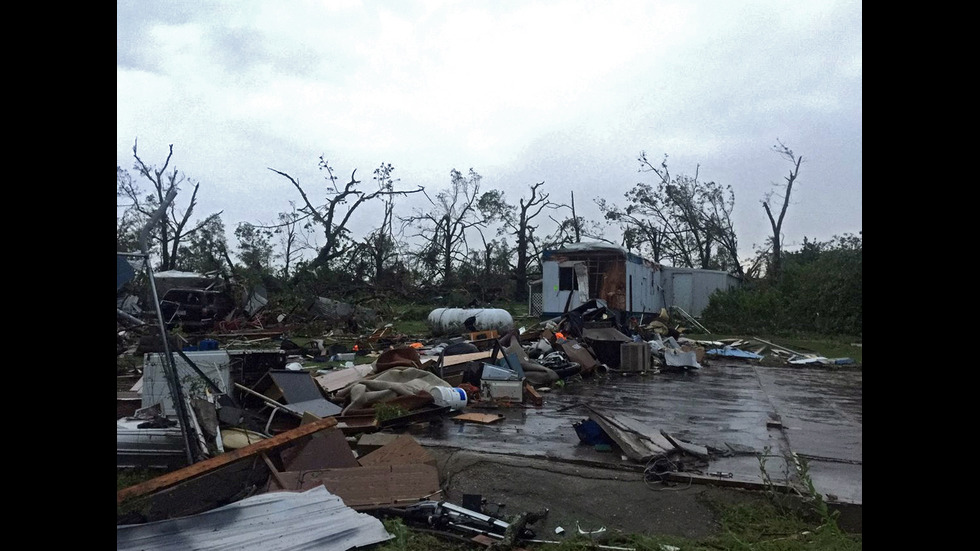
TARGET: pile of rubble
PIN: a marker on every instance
(243, 414)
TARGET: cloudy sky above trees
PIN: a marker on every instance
(564, 92)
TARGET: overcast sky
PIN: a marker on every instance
(564, 92)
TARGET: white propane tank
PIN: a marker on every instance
(446, 321)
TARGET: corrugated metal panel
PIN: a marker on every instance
(216, 364)
(315, 519)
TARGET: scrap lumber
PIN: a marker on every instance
(776, 346)
(532, 395)
(637, 442)
(463, 358)
(693, 449)
(209, 465)
(339, 378)
(484, 418)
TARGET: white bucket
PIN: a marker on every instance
(454, 397)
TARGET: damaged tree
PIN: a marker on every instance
(681, 219)
(380, 244)
(517, 221)
(174, 228)
(457, 209)
(777, 223)
(335, 214)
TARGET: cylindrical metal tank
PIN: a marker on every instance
(444, 321)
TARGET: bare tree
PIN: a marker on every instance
(517, 222)
(455, 211)
(777, 223)
(290, 229)
(335, 214)
(175, 225)
(380, 243)
(719, 206)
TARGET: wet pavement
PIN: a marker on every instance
(733, 409)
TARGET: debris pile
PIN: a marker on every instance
(238, 414)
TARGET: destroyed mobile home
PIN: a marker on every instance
(234, 423)
(249, 425)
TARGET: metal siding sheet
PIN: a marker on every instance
(276, 521)
(216, 364)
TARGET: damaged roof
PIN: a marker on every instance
(591, 246)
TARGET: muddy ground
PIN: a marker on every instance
(585, 497)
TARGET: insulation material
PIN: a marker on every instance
(613, 289)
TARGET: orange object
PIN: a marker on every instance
(416, 345)
(355, 348)
(559, 336)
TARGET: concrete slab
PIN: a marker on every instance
(725, 407)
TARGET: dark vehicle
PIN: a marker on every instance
(195, 309)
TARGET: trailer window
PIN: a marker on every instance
(567, 280)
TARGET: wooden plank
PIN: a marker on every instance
(637, 447)
(356, 424)
(655, 436)
(479, 417)
(533, 395)
(272, 468)
(776, 346)
(691, 478)
(693, 449)
(463, 358)
(340, 378)
(483, 335)
(209, 465)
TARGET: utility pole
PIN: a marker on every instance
(578, 238)
(169, 367)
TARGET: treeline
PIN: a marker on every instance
(471, 246)
(819, 292)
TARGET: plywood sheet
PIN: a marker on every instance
(326, 449)
(479, 417)
(363, 488)
(403, 450)
(338, 379)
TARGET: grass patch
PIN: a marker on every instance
(384, 412)
(413, 328)
(131, 477)
(757, 526)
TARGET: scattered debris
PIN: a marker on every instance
(260, 421)
(312, 519)
(484, 418)
(589, 532)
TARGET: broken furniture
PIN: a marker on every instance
(295, 391)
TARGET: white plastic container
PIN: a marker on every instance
(454, 397)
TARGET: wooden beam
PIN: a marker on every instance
(203, 467)
(533, 395)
